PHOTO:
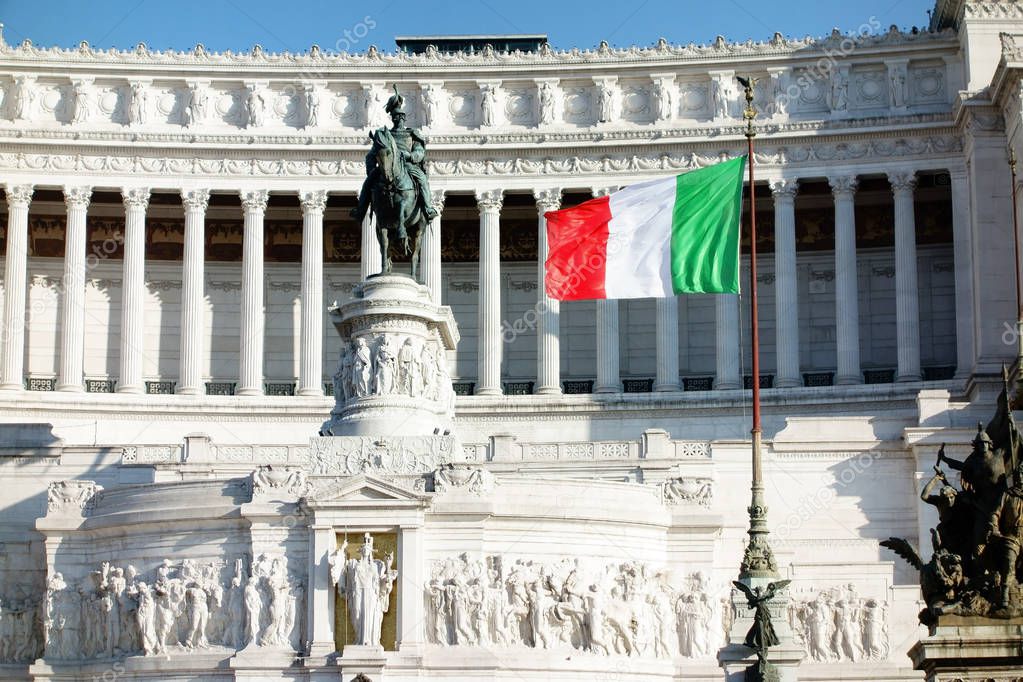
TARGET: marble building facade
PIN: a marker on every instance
(175, 227)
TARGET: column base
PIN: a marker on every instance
(848, 380)
(608, 389)
(187, 390)
(249, 391)
(322, 652)
(668, 387)
(132, 390)
(488, 392)
(727, 386)
(735, 659)
(369, 660)
(549, 390)
(907, 378)
(12, 387)
(788, 382)
(69, 388)
(311, 391)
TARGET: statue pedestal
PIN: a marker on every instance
(735, 657)
(367, 660)
(392, 377)
(252, 664)
(969, 649)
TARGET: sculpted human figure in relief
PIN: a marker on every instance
(366, 584)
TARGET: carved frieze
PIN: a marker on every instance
(840, 625)
(351, 455)
(184, 608)
(573, 604)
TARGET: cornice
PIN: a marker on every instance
(950, 14)
(323, 61)
(357, 141)
(497, 163)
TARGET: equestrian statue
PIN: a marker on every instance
(397, 188)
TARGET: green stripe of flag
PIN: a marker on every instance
(705, 229)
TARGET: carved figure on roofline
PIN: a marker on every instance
(975, 567)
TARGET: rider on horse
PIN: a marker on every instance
(412, 148)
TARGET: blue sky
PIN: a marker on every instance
(296, 24)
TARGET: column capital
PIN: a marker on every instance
(547, 199)
(135, 197)
(437, 199)
(77, 197)
(195, 199)
(19, 195)
(603, 191)
(902, 180)
(490, 200)
(784, 188)
(313, 200)
(843, 185)
(254, 200)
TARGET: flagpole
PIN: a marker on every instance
(758, 559)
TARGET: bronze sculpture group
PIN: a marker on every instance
(397, 188)
(975, 567)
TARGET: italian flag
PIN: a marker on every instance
(655, 239)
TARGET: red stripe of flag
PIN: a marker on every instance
(577, 250)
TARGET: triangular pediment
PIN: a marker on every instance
(364, 490)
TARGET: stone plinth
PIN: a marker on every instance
(364, 660)
(968, 649)
(735, 658)
(392, 377)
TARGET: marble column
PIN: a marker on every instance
(16, 287)
(371, 262)
(429, 258)
(548, 310)
(250, 371)
(133, 289)
(310, 373)
(609, 374)
(847, 309)
(666, 331)
(608, 354)
(962, 242)
(193, 292)
(907, 301)
(70, 373)
(488, 381)
(727, 331)
(786, 301)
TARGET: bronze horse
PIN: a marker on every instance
(393, 200)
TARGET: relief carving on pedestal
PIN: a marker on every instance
(392, 365)
(351, 455)
(839, 625)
